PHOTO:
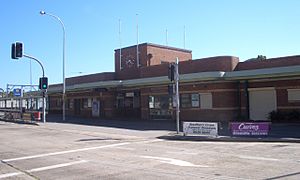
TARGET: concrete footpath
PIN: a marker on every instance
(282, 132)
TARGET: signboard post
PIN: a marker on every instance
(200, 128)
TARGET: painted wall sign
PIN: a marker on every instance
(250, 128)
(200, 128)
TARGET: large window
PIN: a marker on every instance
(195, 100)
(189, 100)
(129, 100)
(293, 95)
(160, 107)
(160, 102)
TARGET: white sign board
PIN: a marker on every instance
(200, 128)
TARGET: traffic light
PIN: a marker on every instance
(171, 72)
(43, 83)
(19, 50)
(13, 51)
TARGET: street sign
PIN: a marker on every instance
(17, 92)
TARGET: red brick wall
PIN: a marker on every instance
(226, 99)
(221, 63)
(160, 54)
(154, 71)
(149, 55)
(106, 76)
(269, 63)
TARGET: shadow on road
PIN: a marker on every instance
(140, 125)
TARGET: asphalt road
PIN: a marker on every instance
(68, 151)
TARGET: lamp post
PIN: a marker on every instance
(64, 80)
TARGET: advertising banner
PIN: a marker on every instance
(200, 128)
(250, 128)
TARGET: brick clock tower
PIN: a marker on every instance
(149, 55)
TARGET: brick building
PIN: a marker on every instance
(211, 89)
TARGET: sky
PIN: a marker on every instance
(238, 28)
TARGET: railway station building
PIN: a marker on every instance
(211, 89)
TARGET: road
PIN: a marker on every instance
(68, 151)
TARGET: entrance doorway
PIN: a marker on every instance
(128, 105)
(77, 106)
(261, 102)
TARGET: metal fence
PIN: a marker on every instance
(21, 108)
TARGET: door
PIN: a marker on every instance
(77, 106)
(96, 108)
(262, 102)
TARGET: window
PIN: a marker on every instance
(206, 100)
(68, 104)
(71, 103)
(160, 102)
(58, 102)
(189, 100)
(293, 94)
(89, 102)
(202, 100)
(84, 103)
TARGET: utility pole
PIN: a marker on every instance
(177, 94)
(173, 75)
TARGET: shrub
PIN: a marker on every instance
(284, 116)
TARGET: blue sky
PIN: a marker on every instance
(213, 27)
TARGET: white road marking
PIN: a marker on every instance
(179, 152)
(258, 158)
(56, 166)
(77, 150)
(125, 148)
(173, 161)
(64, 152)
(42, 169)
(149, 141)
(10, 175)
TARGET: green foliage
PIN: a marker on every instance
(284, 116)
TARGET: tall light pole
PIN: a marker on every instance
(64, 80)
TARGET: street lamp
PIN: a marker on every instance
(64, 80)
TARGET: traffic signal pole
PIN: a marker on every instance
(43, 90)
(177, 94)
(173, 75)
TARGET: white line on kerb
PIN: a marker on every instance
(63, 152)
(42, 169)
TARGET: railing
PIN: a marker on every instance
(21, 108)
